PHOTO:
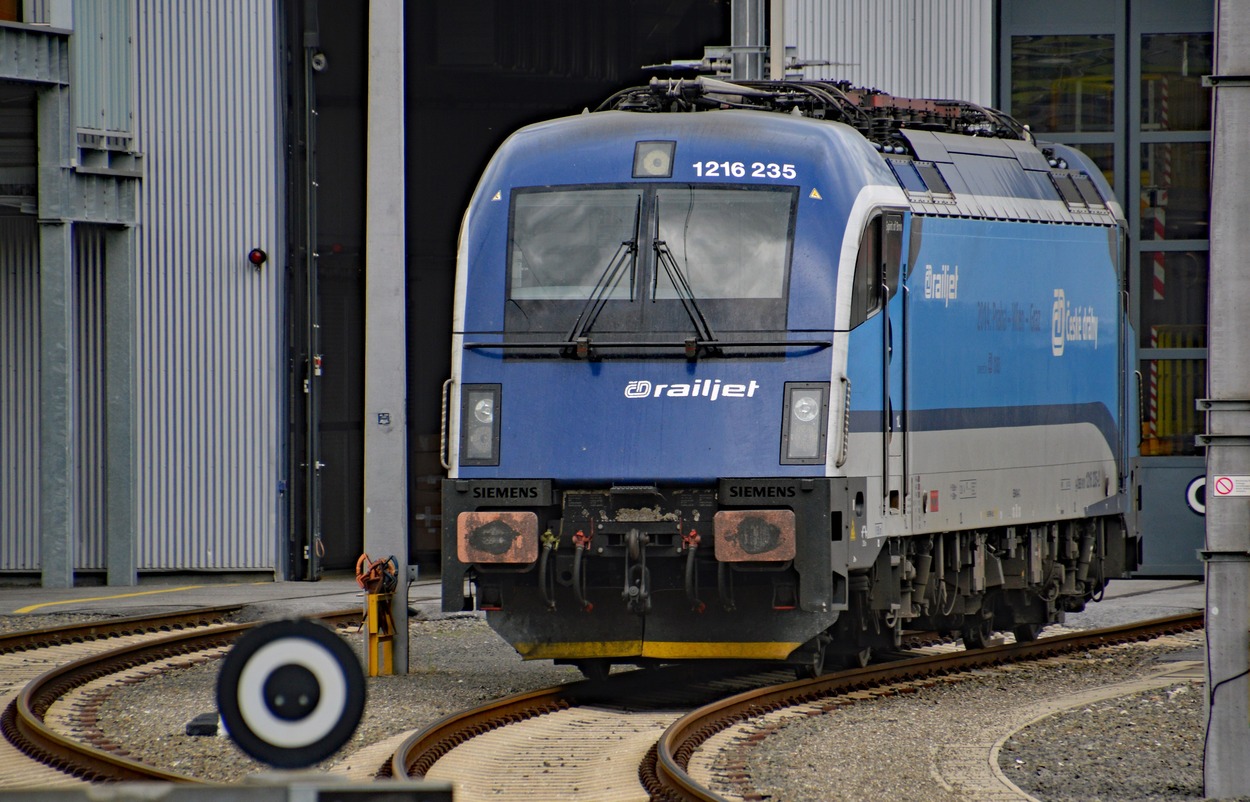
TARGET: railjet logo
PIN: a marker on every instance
(1070, 323)
(941, 284)
(711, 389)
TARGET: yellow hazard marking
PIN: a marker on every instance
(852, 530)
(814, 195)
(498, 195)
(673, 650)
(31, 608)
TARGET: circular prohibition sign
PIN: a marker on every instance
(291, 693)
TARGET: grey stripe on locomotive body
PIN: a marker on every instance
(1002, 419)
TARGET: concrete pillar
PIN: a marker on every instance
(777, 40)
(386, 419)
(1226, 770)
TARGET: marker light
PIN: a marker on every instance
(653, 159)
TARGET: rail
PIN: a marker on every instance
(23, 724)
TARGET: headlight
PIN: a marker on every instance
(804, 430)
(806, 407)
(484, 410)
(479, 424)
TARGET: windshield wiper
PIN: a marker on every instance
(626, 252)
(666, 259)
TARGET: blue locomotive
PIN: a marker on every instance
(776, 370)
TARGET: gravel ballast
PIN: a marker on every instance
(1145, 747)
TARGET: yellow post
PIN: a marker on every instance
(381, 629)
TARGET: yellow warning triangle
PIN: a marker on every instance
(815, 195)
(498, 195)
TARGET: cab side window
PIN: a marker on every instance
(877, 266)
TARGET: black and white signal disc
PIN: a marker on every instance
(291, 693)
(1196, 494)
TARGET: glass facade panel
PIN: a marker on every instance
(1172, 66)
(1174, 205)
(1103, 156)
(1173, 299)
(1064, 83)
(1170, 419)
(1152, 142)
(1175, 190)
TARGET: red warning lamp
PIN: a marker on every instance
(257, 257)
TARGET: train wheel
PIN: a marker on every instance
(1026, 632)
(812, 660)
(976, 631)
(595, 670)
(858, 659)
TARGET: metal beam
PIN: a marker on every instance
(746, 32)
(56, 405)
(69, 194)
(56, 352)
(38, 55)
(121, 480)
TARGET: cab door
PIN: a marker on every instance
(894, 339)
(877, 302)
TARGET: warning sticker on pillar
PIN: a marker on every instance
(1230, 486)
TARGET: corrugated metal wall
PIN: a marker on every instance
(19, 394)
(20, 401)
(209, 375)
(101, 76)
(911, 48)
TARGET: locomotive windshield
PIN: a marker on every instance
(562, 242)
(729, 243)
(643, 250)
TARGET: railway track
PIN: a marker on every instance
(49, 677)
(633, 736)
(546, 741)
(593, 732)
